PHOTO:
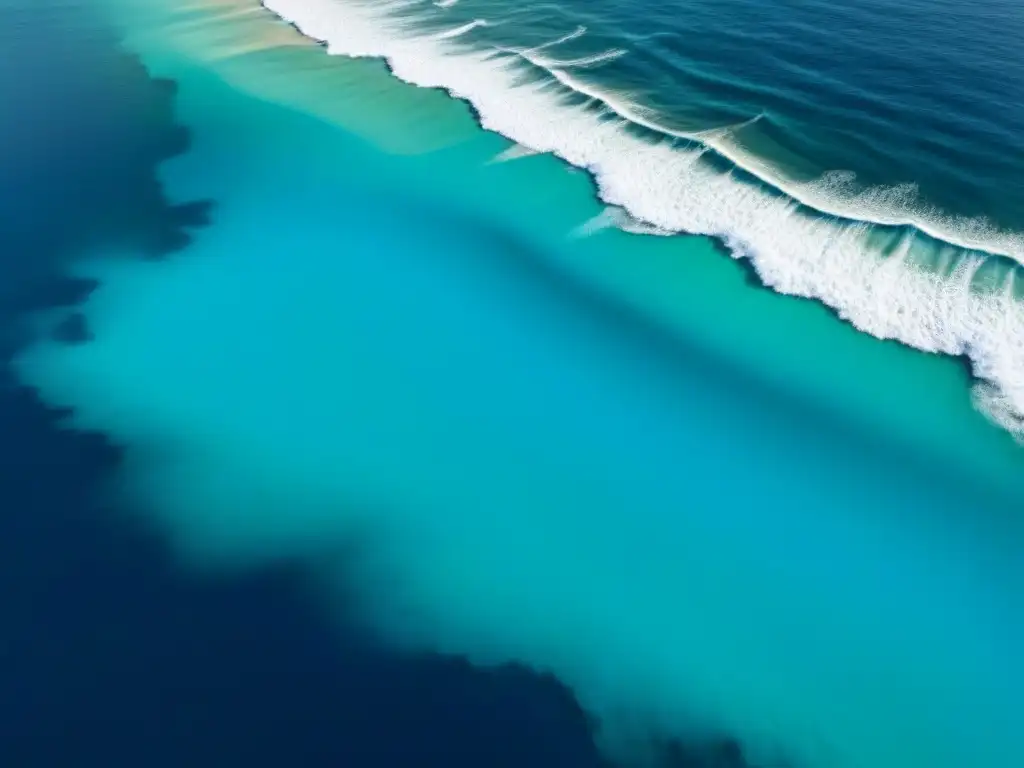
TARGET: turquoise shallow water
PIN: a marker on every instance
(404, 356)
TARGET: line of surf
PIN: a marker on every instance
(834, 194)
(868, 206)
(667, 185)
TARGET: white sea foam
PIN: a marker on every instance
(585, 61)
(672, 189)
(445, 3)
(613, 217)
(515, 152)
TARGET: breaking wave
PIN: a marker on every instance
(886, 263)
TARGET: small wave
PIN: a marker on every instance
(461, 30)
(585, 61)
(533, 50)
(668, 185)
(575, 34)
(836, 193)
(710, 134)
(445, 3)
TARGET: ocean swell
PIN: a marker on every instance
(881, 263)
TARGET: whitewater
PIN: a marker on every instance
(887, 265)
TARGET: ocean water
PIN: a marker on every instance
(490, 414)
